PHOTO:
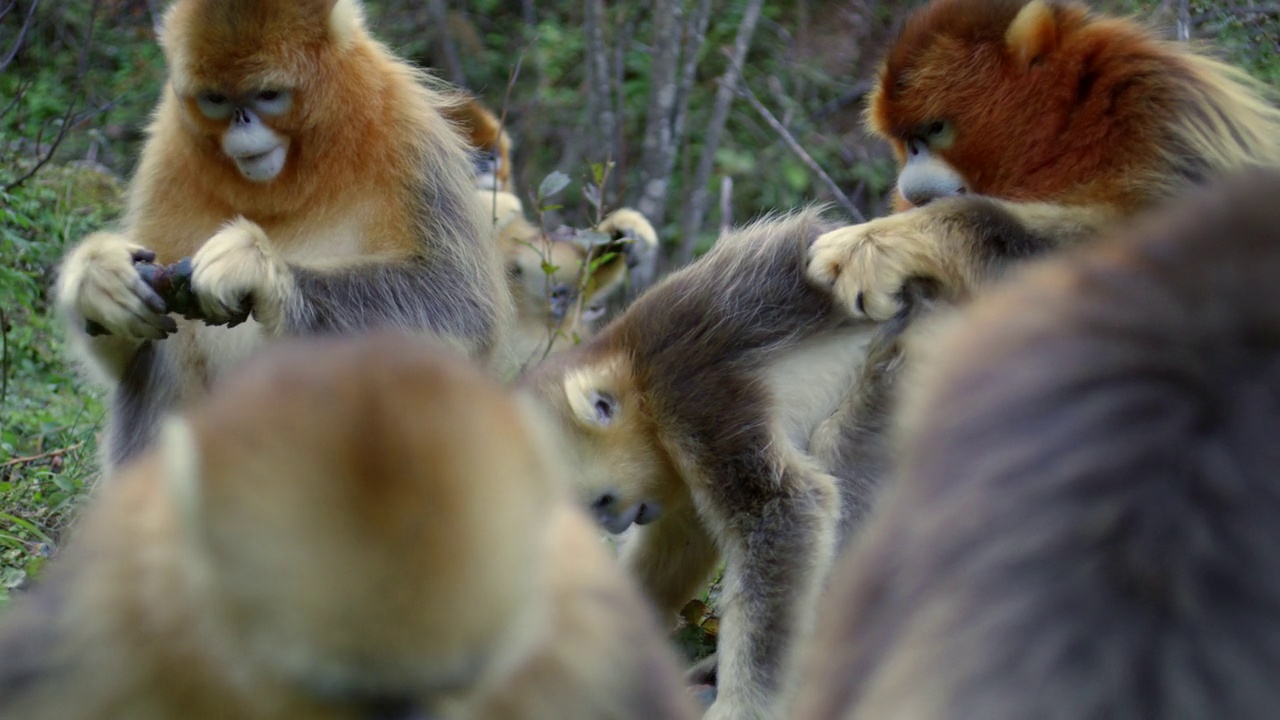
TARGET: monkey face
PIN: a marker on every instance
(548, 283)
(993, 128)
(623, 474)
(253, 75)
(241, 122)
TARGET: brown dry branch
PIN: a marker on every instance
(745, 91)
(33, 458)
(600, 108)
(65, 122)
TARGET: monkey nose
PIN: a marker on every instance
(608, 515)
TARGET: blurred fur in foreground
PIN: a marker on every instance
(349, 528)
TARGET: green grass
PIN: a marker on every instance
(49, 417)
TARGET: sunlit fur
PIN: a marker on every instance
(691, 415)
(372, 221)
(1068, 106)
(349, 526)
(1085, 517)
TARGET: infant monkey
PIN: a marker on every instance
(349, 529)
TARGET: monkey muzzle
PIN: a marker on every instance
(560, 301)
(258, 152)
(616, 520)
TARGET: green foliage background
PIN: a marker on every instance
(808, 62)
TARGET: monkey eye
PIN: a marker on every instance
(214, 105)
(937, 135)
(272, 102)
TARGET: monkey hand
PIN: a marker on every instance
(101, 288)
(237, 273)
(869, 267)
(638, 238)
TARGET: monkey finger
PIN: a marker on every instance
(119, 309)
(142, 255)
(148, 295)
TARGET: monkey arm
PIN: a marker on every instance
(437, 293)
(955, 244)
(445, 288)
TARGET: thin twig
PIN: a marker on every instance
(745, 92)
(502, 119)
(22, 33)
(81, 72)
(32, 458)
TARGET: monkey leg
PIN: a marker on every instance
(778, 551)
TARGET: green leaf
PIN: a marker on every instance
(597, 262)
(552, 184)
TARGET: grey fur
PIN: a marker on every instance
(699, 344)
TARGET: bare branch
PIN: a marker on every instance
(599, 92)
(658, 140)
(745, 91)
(726, 203)
(696, 208)
(22, 32)
(81, 70)
(32, 458)
(1184, 20)
(444, 38)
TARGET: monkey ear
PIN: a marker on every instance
(593, 396)
(346, 19)
(180, 463)
(1033, 33)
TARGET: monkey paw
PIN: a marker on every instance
(868, 266)
(98, 285)
(237, 272)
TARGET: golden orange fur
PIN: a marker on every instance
(1022, 126)
(1050, 102)
(484, 132)
(310, 176)
(349, 528)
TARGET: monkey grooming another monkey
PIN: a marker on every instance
(690, 416)
(1084, 520)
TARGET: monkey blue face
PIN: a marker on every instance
(258, 151)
